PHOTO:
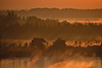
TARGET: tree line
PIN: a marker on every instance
(13, 26)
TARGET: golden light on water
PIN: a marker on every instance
(46, 63)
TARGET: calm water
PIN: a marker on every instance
(70, 62)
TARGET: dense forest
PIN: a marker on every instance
(13, 26)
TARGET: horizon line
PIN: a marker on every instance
(50, 8)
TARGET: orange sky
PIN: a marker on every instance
(27, 4)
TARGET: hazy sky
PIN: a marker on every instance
(27, 4)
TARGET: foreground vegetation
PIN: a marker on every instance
(39, 47)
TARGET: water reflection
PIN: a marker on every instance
(70, 62)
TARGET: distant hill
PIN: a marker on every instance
(60, 13)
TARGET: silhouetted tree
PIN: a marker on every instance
(38, 43)
(59, 44)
